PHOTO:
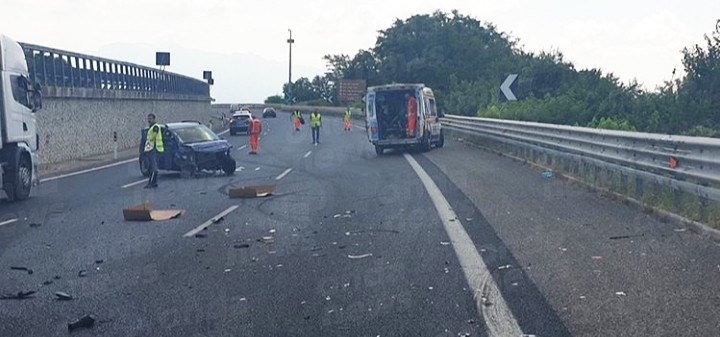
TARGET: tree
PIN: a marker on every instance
(274, 99)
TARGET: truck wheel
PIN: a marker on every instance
(232, 133)
(145, 166)
(379, 150)
(441, 141)
(425, 146)
(188, 171)
(19, 180)
(229, 166)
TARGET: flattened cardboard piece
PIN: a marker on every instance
(144, 212)
(258, 191)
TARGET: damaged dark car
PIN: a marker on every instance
(189, 147)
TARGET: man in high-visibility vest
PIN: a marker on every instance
(153, 148)
(296, 116)
(348, 116)
(255, 130)
(411, 115)
(315, 124)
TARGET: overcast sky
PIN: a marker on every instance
(243, 42)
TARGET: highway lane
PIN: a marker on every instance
(336, 204)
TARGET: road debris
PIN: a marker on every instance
(327, 298)
(200, 235)
(563, 249)
(145, 212)
(200, 250)
(35, 224)
(47, 283)
(485, 301)
(25, 269)
(82, 273)
(547, 174)
(272, 231)
(258, 191)
(86, 321)
(242, 245)
(336, 216)
(228, 270)
(20, 295)
(218, 220)
(507, 266)
(268, 239)
(620, 293)
(625, 236)
(356, 257)
(596, 257)
(57, 277)
(99, 261)
(61, 296)
(444, 243)
(680, 230)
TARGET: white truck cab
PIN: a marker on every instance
(387, 113)
(19, 100)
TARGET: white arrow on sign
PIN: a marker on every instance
(505, 87)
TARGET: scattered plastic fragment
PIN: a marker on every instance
(242, 245)
(336, 216)
(680, 230)
(200, 250)
(444, 243)
(99, 261)
(82, 273)
(20, 295)
(620, 293)
(507, 266)
(563, 249)
(430, 288)
(547, 174)
(268, 239)
(217, 220)
(228, 270)
(47, 283)
(61, 296)
(327, 298)
(272, 230)
(242, 299)
(597, 257)
(86, 321)
(200, 235)
(26, 269)
(355, 257)
(35, 224)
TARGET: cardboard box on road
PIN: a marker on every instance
(145, 212)
(251, 191)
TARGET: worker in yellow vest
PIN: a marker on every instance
(348, 116)
(315, 124)
(153, 148)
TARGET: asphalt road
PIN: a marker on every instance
(358, 248)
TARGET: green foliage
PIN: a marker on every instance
(702, 131)
(274, 99)
(611, 124)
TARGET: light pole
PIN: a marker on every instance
(290, 41)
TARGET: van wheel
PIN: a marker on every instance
(379, 150)
(441, 141)
(19, 180)
(229, 166)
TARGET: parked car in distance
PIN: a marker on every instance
(189, 147)
(240, 122)
(269, 112)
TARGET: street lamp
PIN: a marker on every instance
(290, 41)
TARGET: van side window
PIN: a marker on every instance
(430, 107)
(20, 94)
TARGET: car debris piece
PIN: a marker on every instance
(507, 266)
(82, 273)
(356, 257)
(35, 224)
(218, 220)
(444, 243)
(620, 293)
(145, 212)
(268, 239)
(20, 295)
(47, 283)
(200, 250)
(200, 235)
(547, 174)
(61, 296)
(272, 231)
(680, 230)
(258, 191)
(336, 216)
(57, 277)
(242, 245)
(99, 261)
(86, 321)
(25, 269)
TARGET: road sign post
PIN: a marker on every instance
(351, 90)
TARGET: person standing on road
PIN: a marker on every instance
(153, 148)
(255, 130)
(315, 124)
(297, 117)
(348, 116)
(411, 115)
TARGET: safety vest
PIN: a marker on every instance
(255, 127)
(348, 115)
(296, 114)
(315, 120)
(154, 139)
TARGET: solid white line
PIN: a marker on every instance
(135, 183)
(210, 222)
(88, 170)
(282, 175)
(498, 317)
(242, 147)
(307, 154)
(6, 222)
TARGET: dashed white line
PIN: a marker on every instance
(135, 183)
(224, 132)
(498, 317)
(242, 147)
(6, 222)
(210, 222)
(88, 170)
(307, 154)
(282, 175)
(257, 169)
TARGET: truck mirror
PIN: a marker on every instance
(36, 97)
(37, 87)
(22, 83)
(441, 113)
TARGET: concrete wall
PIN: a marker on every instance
(79, 123)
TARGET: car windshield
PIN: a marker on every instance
(241, 117)
(195, 134)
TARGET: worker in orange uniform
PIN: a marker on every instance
(255, 129)
(297, 119)
(348, 116)
(411, 115)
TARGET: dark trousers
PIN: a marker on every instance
(153, 161)
(316, 135)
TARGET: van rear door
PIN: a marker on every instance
(371, 118)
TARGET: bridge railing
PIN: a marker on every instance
(690, 164)
(63, 69)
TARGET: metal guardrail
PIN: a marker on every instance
(695, 160)
(57, 68)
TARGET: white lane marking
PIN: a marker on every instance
(359, 127)
(88, 170)
(307, 154)
(242, 147)
(135, 183)
(224, 132)
(498, 317)
(282, 175)
(210, 222)
(7, 222)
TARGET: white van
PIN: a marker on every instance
(386, 113)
